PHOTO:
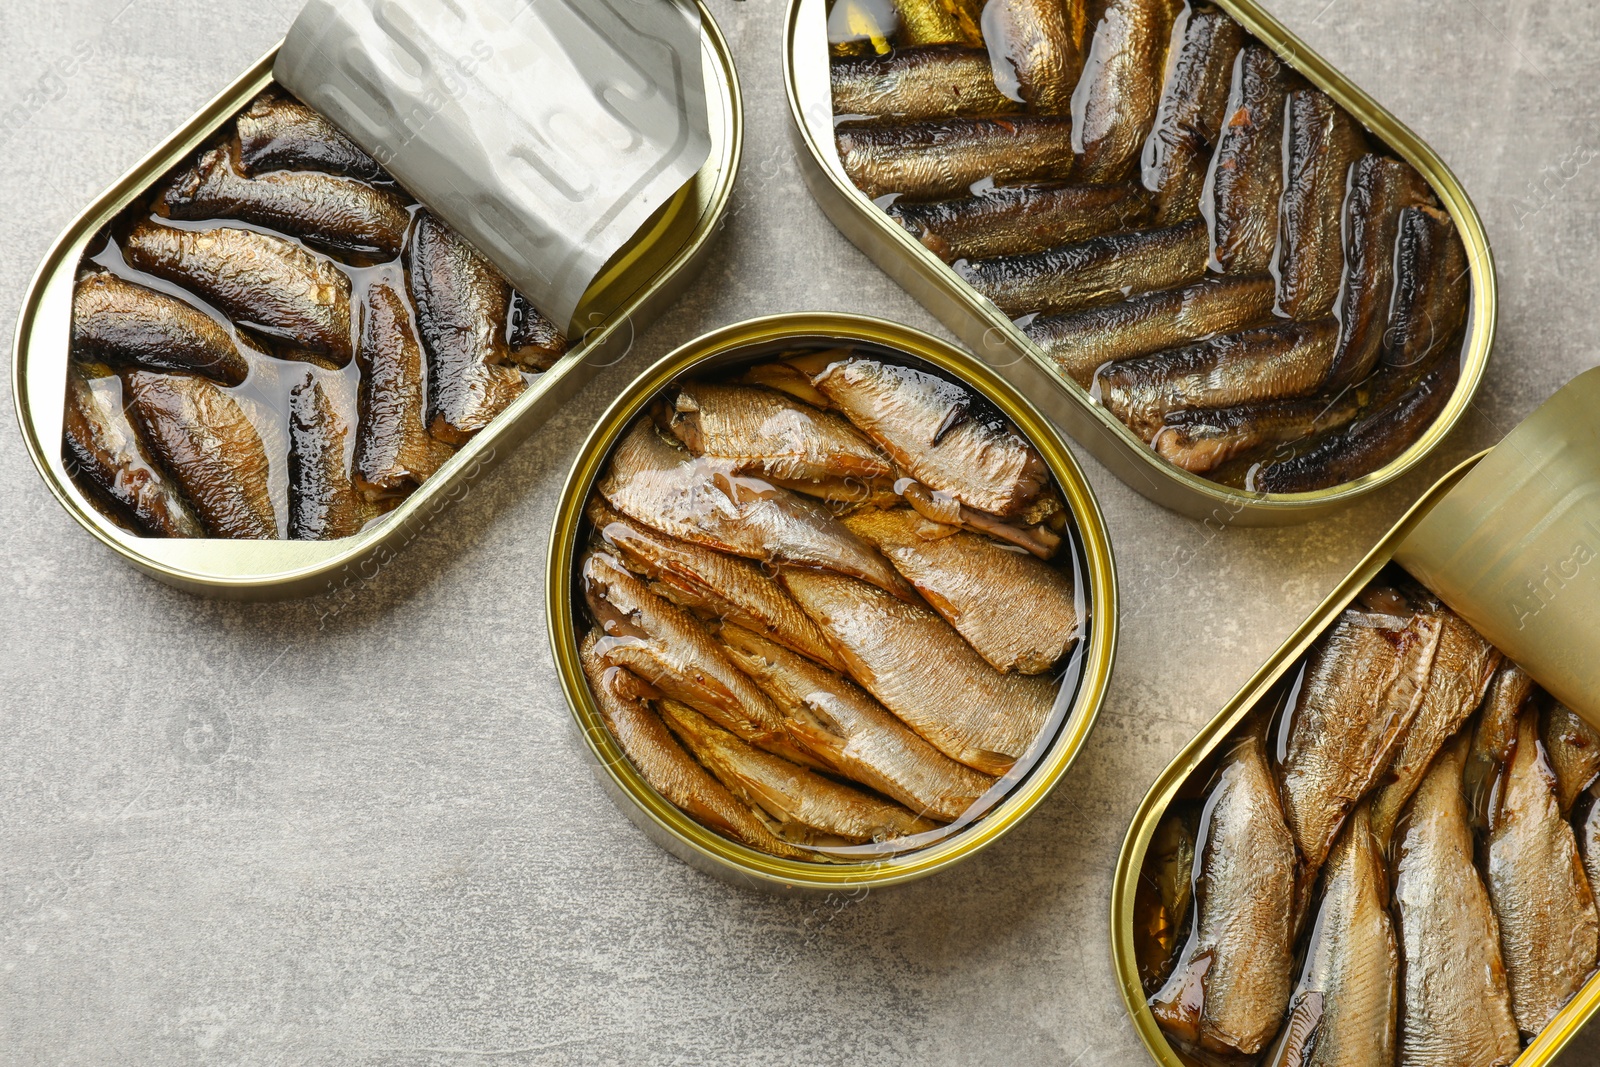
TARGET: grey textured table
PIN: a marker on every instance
(360, 832)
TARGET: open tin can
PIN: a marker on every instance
(990, 332)
(1079, 692)
(636, 285)
(1498, 540)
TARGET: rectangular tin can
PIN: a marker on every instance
(990, 333)
(635, 287)
(1553, 450)
(660, 820)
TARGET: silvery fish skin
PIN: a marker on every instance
(928, 22)
(711, 583)
(670, 770)
(461, 304)
(1201, 439)
(918, 83)
(342, 214)
(122, 324)
(203, 438)
(1431, 284)
(1040, 44)
(702, 501)
(1228, 993)
(1588, 831)
(1364, 684)
(800, 803)
(1343, 1012)
(1549, 931)
(1114, 103)
(759, 431)
(1455, 1006)
(977, 585)
(1572, 747)
(265, 283)
(101, 450)
(1101, 270)
(276, 133)
(924, 672)
(1323, 143)
(1192, 110)
(1245, 181)
(1380, 189)
(1013, 220)
(670, 649)
(940, 158)
(1082, 342)
(1463, 667)
(1286, 360)
(534, 341)
(323, 502)
(393, 446)
(840, 723)
(939, 433)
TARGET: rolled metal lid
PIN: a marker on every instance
(1514, 548)
(546, 133)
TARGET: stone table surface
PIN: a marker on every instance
(359, 832)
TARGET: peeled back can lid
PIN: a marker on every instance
(1514, 548)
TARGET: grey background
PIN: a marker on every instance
(231, 835)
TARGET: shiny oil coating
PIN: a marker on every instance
(1010, 220)
(939, 21)
(393, 446)
(1572, 747)
(1039, 44)
(945, 157)
(1245, 182)
(277, 132)
(1322, 142)
(918, 83)
(1430, 286)
(1189, 120)
(1114, 103)
(922, 670)
(1202, 439)
(262, 282)
(122, 324)
(323, 503)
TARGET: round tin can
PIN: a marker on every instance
(1053, 753)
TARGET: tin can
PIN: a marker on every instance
(636, 286)
(1554, 450)
(764, 338)
(991, 333)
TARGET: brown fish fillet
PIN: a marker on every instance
(1101, 270)
(1012, 220)
(1343, 1011)
(534, 342)
(1380, 189)
(1364, 684)
(461, 304)
(759, 431)
(105, 456)
(1038, 49)
(1115, 101)
(1323, 142)
(670, 649)
(702, 501)
(323, 503)
(1081, 342)
(265, 283)
(977, 584)
(1193, 107)
(1572, 748)
(277, 133)
(941, 158)
(854, 734)
(1463, 667)
(1037, 538)
(344, 214)
(122, 324)
(924, 672)
(918, 83)
(1496, 729)
(928, 22)
(1229, 992)
(1245, 181)
(785, 378)
(799, 802)
(393, 446)
(201, 436)
(843, 494)
(940, 433)
(1549, 931)
(670, 770)
(1200, 439)
(1431, 284)
(1455, 1007)
(711, 583)
(1162, 915)
(1277, 362)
